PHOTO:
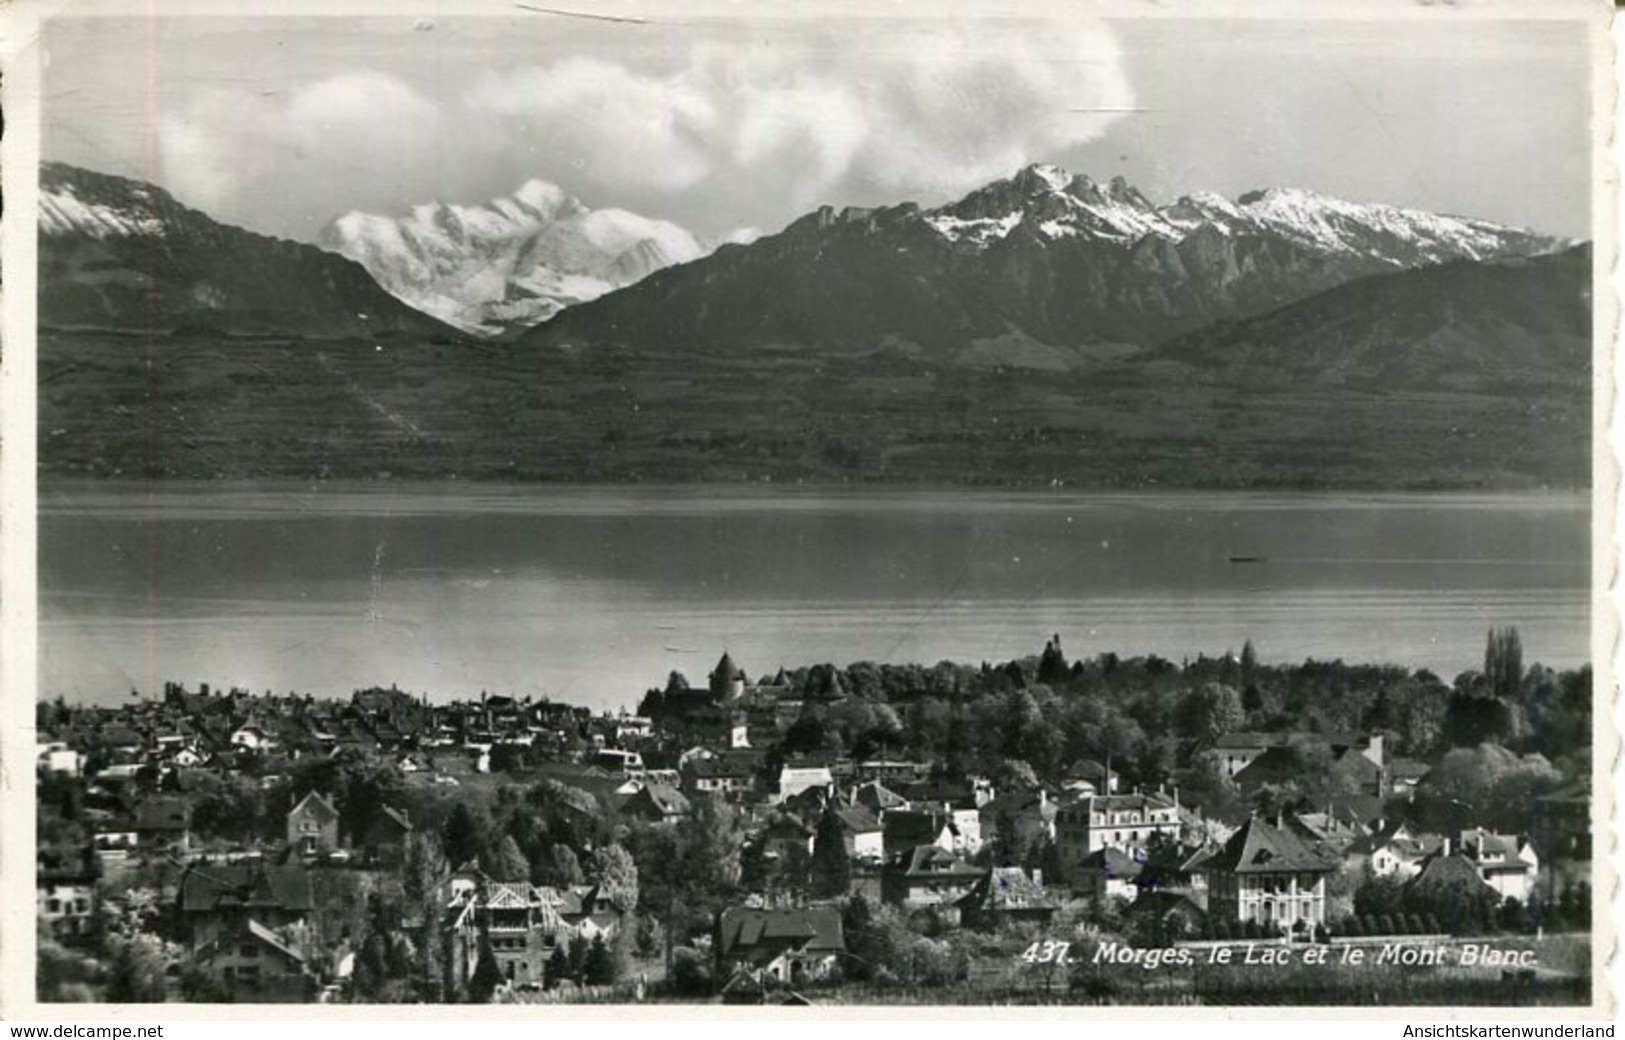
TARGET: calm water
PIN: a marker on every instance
(592, 595)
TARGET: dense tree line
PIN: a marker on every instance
(1150, 715)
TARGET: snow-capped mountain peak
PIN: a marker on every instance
(512, 262)
(63, 210)
(1372, 228)
(1057, 205)
(543, 197)
(1052, 201)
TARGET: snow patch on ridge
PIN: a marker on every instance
(62, 212)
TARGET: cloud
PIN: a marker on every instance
(340, 137)
(777, 117)
(905, 107)
(608, 120)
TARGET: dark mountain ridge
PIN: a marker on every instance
(1042, 257)
(121, 255)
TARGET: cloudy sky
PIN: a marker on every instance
(281, 124)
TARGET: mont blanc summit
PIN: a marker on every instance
(512, 262)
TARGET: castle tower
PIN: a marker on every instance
(727, 679)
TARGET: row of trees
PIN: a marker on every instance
(1147, 713)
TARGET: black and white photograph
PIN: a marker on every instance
(656, 504)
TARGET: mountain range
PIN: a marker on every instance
(511, 263)
(1045, 328)
(1026, 265)
(125, 256)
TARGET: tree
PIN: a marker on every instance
(647, 942)
(504, 862)
(1209, 785)
(558, 965)
(424, 866)
(1014, 775)
(1503, 664)
(831, 869)
(136, 975)
(1486, 785)
(466, 834)
(1378, 894)
(557, 865)
(617, 874)
(1052, 666)
(1210, 712)
(598, 965)
(487, 976)
(807, 733)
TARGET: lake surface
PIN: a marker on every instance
(594, 594)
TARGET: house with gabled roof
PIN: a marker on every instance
(1451, 886)
(313, 825)
(1168, 914)
(657, 803)
(1404, 774)
(861, 833)
(1507, 863)
(1395, 850)
(1005, 895)
(1267, 875)
(163, 823)
(216, 899)
(878, 799)
(926, 876)
(1239, 751)
(905, 830)
(589, 911)
(730, 776)
(799, 777)
(1331, 831)
(1106, 873)
(780, 946)
(255, 964)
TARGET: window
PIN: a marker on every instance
(54, 905)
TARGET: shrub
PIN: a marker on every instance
(689, 972)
